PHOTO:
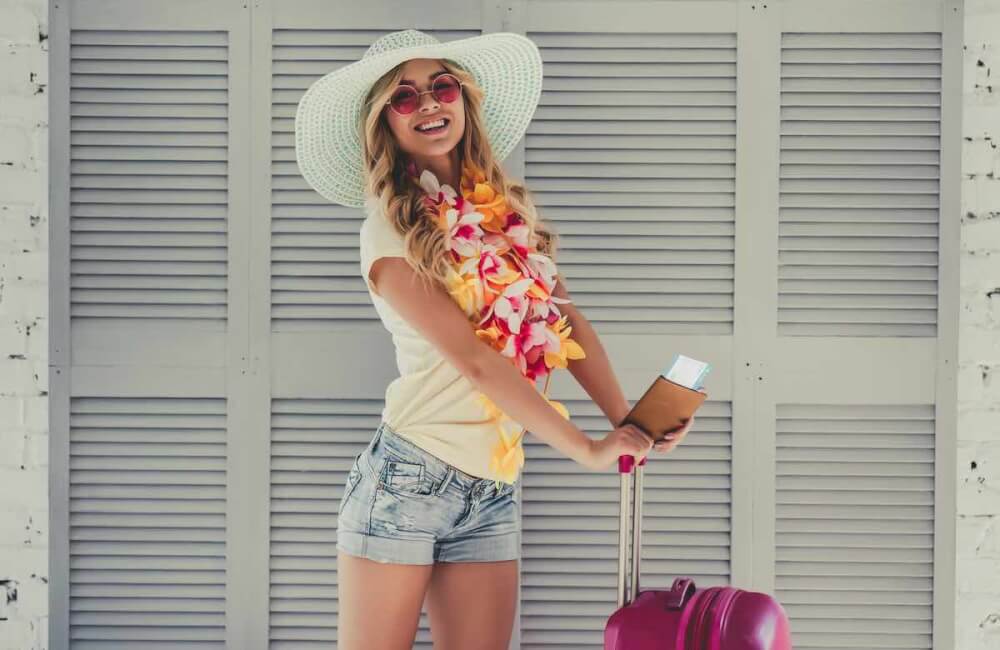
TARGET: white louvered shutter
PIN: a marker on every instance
(769, 187)
(858, 267)
(632, 156)
(143, 287)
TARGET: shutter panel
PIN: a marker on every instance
(149, 175)
(860, 142)
(315, 278)
(632, 157)
(854, 556)
(145, 344)
(147, 522)
(313, 445)
(855, 388)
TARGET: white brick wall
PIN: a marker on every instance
(977, 619)
(24, 326)
(24, 331)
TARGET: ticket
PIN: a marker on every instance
(687, 371)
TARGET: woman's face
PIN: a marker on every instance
(420, 74)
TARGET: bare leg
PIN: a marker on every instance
(471, 605)
(379, 603)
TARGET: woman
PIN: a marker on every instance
(458, 266)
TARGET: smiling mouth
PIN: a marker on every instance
(439, 129)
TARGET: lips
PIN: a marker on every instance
(436, 119)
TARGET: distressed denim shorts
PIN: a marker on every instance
(403, 505)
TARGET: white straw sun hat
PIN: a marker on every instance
(328, 120)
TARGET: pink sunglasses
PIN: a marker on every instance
(406, 99)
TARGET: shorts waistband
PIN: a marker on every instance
(392, 440)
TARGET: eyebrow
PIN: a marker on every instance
(433, 76)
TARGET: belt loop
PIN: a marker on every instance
(450, 474)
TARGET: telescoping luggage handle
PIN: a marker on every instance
(682, 588)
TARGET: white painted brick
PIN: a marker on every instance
(23, 305)
(32, 594)
(31, 266)
(978, 344)
(978, 383)
(16, 224)
(23, 297)
(978, 310)
(983, 236)
(37, 452)
(979, 422)
(978, 267)
(36, 412)
(977, 536)
(19, 24)
(12, 414)
(15, 146)
(15, 637)
(977, 576)
(978, 623)
(12, 341)
(13, 524)
(25, 68)
(24, 488)
(14, 446)
(16, 376)
(979, 486)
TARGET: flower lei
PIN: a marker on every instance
(504, 285)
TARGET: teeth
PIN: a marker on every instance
(430, 125)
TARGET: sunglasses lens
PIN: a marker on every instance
(404, 100)
(446, 88)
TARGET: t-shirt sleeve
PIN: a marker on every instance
(378, 239)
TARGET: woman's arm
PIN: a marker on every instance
(594, 373)
(433, 313)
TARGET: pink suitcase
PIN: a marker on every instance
(685, 618)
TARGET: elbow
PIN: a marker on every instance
(474, 364)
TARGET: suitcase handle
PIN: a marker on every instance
(627, 468)
(680, 592)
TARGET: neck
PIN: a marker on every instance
(446, 167)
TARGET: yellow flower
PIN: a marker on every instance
(493, 412)
(559, 406)
(466, 291)
(507, 458)
(568, 348)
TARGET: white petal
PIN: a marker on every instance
(519, 287)
(429, 182)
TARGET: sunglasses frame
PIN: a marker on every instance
(421, 94)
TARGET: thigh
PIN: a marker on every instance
(371, 593)
(471, 605)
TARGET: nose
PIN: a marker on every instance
(433, 100)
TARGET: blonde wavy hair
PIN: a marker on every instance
(400, 199)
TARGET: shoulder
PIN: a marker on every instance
(378, 236)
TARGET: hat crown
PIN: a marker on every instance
(399, 40)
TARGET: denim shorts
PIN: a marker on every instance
(403, 505)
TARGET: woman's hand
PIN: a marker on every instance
(626, 440)
(673, 438)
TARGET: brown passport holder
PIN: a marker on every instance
(665, 406)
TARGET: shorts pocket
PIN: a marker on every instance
(353, 479)
(407, 478)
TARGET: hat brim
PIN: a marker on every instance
(508, 67)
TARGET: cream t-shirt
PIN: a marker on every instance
(431, 403)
